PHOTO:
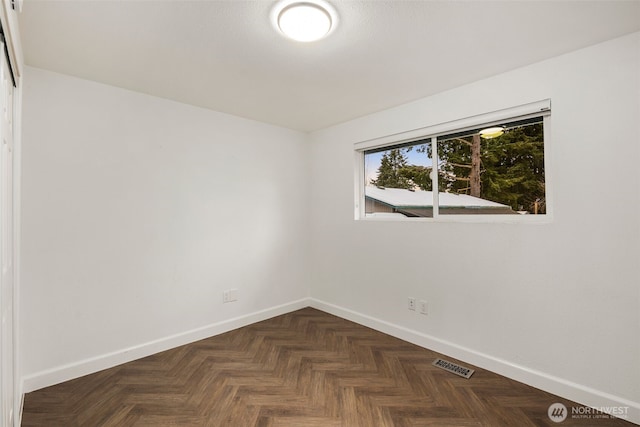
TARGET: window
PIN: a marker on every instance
(488, 165)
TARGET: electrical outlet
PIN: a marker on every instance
(412, 304)
(423, 307)
(230, 295)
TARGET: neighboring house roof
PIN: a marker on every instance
(385, 215)
(401, 198)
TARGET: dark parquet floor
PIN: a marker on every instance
(303, 369)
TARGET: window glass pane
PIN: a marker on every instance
(498, 170)
(397, 181)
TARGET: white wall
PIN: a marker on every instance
(137, 213)
(554, 304)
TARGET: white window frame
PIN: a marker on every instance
(521, 112)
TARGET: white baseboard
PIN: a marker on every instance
(88, 366)
(569, 390)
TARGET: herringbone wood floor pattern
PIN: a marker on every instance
(303, 369)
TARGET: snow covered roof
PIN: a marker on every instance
(399, 197)
(385, 215)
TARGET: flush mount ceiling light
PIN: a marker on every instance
(491, 132)
(305, 21)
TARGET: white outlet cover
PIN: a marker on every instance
(423, 307)
(230, 295)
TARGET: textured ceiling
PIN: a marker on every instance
(226, 55)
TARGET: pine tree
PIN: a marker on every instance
(418, 176)
(514, 169)
(390, 171)
(510, 167)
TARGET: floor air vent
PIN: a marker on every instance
(454, 368)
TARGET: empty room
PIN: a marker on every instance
(352, 213)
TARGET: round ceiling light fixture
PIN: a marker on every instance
(493, 132)
(305, 21)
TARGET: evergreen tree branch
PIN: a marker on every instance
(459, 165)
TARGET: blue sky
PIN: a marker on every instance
(372, 162)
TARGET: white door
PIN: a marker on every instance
(7, 378)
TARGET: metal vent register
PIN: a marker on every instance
(454, 368)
